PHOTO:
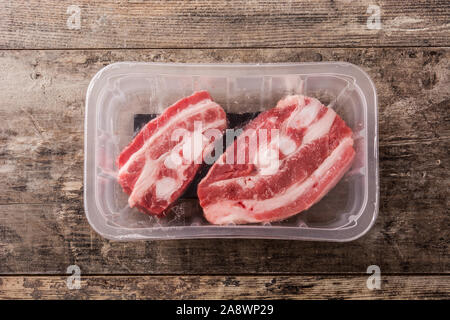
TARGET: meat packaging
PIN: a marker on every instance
(304, 150)
(163, 158)
(123, 97)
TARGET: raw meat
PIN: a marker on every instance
(304, 158)
(160, 162)
(235, 121)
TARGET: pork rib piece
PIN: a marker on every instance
(160, 162)
(304, 158)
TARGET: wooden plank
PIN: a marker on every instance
(42, 223)
(225, 287)
(47, 24)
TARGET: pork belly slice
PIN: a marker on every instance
(160, 162)
(314, 148)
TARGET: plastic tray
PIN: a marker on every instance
(121, 90)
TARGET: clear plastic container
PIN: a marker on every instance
(121, 90)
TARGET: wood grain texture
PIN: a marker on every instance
(225, 287)
(222, 24)
(42, 224)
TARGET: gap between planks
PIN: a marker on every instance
(227, 48)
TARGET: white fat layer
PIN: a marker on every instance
(309, 113)
(287, 145)
(244, 183)
(185, 113)
(224, 213)
(304, 115)
(172, 160)
(165, 188)
(320, 127)
(290, 100)
(268, 160)
(291, 194)
(147, 174)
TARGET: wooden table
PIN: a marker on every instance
(47, 60)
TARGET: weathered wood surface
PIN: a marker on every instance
(42, 224)
(224, 287)
(222, 24)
